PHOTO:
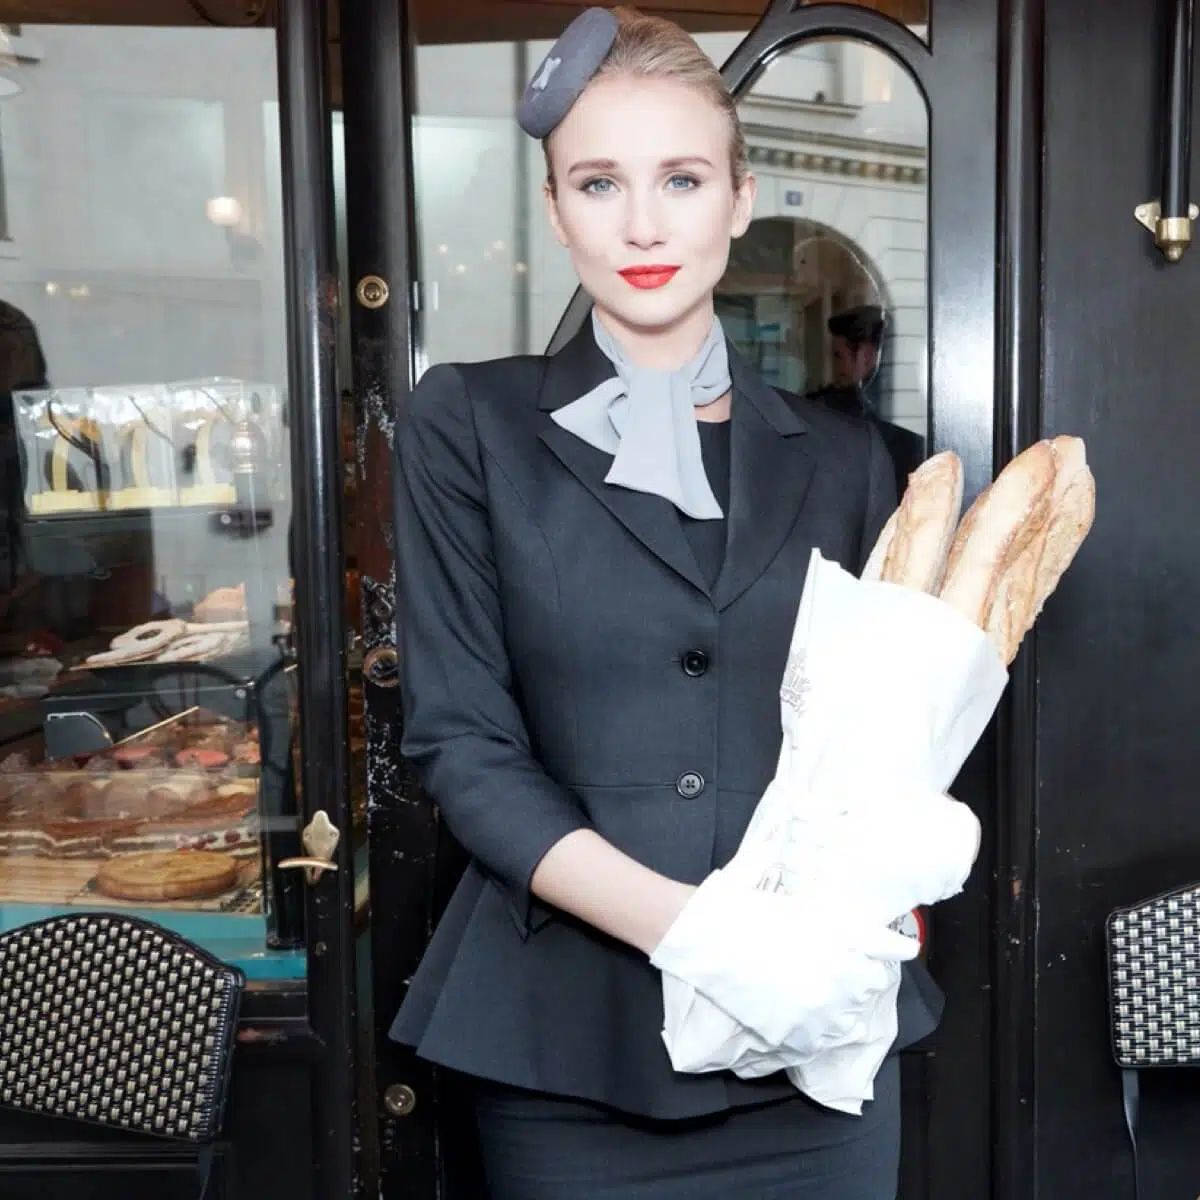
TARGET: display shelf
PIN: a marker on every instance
(225, 518)
(240, 670)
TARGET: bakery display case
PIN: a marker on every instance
(148, 676)
(148, 703)
(150, 690)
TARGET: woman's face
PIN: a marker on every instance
(646, 206)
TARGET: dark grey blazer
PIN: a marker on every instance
(564, 665)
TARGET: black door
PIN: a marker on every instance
(169, 308)
(882, 193)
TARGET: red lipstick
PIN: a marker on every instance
(653, 276)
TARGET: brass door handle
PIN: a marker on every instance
(320, 839)
(311, 864)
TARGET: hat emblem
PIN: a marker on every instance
(548, 68)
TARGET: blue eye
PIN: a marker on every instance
(599, 186)
(682, 183)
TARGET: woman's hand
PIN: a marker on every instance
(594, 881)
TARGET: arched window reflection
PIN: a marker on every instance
(827, 291)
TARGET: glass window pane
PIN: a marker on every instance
(827, 291)
(147, 692)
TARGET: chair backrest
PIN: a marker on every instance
(115, 1021)
(1153, 963)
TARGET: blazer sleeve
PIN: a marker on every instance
(881, 493)
(463, 729)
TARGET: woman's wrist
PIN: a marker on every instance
(591, 879)
(669, 899)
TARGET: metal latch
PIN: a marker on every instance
(320, 839)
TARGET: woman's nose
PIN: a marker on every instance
(643, 225)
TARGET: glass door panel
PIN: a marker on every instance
(147, 682)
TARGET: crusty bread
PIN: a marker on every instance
(997, 530)
(1031, 578)
(874, 568)
(926, 520)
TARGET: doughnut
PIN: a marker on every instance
(192, 647)
(117, 658)
(218, 626)
(151, 637)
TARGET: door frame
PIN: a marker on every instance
(320, 642)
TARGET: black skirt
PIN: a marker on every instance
(538, 1147)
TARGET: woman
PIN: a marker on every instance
(601, 554)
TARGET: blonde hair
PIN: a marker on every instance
(655, 48)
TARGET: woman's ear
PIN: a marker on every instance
(743, 204)
(552, 212)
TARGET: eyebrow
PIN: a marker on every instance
(668, 164)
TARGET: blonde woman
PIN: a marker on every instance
(601, 554)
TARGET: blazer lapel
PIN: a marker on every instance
(770, 474)
(577, 368)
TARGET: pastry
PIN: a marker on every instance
(162, 801)
(218, 627)
(117, 658)
(194, 647)
(16, 762)
(224, 821)
(80, 837)
(139, 755)
(81, 798)
(224, 604)
(167, 875)
(206, 758)
(153, 636)
(121, 798)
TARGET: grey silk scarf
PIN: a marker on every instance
(645, 419)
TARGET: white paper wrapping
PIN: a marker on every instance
(885, 693)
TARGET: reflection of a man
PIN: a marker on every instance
(22, 365)
(857, 338)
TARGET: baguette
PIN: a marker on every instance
(925, 524)
(911, 550)
(997, 530)
(873, 571)
(1031, 579)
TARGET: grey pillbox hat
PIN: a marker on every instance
(566, 71)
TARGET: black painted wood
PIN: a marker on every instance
(320, 636)
(1119, 645)
(1177, 133)
(402, 825)
(1018, 423)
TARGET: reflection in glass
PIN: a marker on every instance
(826, 292)
(146, 680)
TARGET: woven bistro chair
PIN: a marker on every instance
(114, 1021)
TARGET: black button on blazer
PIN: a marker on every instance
(542, 614)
